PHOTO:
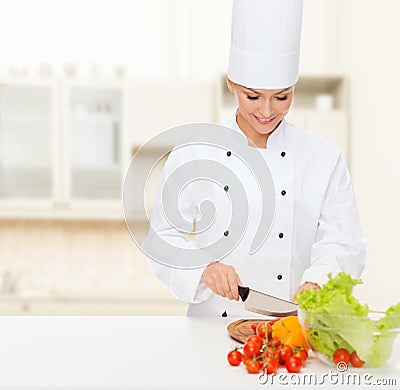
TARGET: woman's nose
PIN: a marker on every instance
(266, 109)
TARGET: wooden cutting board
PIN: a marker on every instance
(240, 330)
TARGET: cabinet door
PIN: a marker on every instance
(26, 141)
(94, 134)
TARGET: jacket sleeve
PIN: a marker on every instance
(184, 283)
(340, 243)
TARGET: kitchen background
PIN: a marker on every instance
(84, 83)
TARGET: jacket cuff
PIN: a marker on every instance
(186, 285)
(318, 273)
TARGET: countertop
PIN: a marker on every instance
(139, 353)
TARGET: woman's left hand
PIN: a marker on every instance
(307, 286)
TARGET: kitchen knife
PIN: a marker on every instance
(268, 305)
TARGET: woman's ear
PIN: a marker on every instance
(231, 85)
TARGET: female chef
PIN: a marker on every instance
(316, 229)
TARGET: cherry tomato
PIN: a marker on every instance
(270, 365)
(293, 364)
(275, 342)
(234, 357)
(270, 352)
(355, 360)
(341, 355)
(254, 326)
(261, 330)
(301, 354)
(285, 352)
(251, 349)
(252, 366)
(255, 339)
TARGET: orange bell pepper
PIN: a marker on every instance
(288, 330)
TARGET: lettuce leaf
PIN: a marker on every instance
(387, 327)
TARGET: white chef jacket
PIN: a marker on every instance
(316, 229)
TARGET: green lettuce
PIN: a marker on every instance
(387, 331)
(355, 331)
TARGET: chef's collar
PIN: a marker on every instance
(275, 137)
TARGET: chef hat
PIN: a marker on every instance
(265, 43)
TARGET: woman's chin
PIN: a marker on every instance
(263, 130)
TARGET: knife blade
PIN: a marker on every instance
(261, 303)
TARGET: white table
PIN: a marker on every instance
(132, 352)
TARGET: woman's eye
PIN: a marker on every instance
(282, 97)
(252, 97)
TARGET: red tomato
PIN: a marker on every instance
(252, 366)
(271, 352)
(355, 360)
(293, 364)
(301, 354)
(234, 357)
(254, 326)
(255, 339)
(261, 330)
(341, 355)
(270, 365)
(251, 349)
(285, 352)
(275, 342)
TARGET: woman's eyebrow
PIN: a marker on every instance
(276, 93)
(283, 90)
(253, 90)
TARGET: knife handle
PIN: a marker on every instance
(243, 292)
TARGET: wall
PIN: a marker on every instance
(373, 62)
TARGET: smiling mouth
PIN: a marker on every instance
(264, 121)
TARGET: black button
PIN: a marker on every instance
(280, 235)
(279, 277)
(224, 314)
(283, 193)
(228, 153)
(226, 188)
(226, 233)
(283, 154)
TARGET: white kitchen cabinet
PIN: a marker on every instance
(95, 143)
(63, 148)
(28, 143)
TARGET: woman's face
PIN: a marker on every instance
(260, 110)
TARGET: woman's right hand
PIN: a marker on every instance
(222, 279)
